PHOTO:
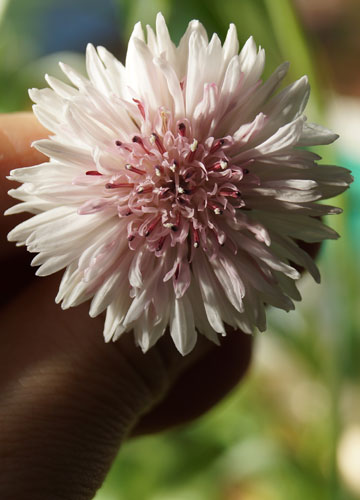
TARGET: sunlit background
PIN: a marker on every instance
(292, 430)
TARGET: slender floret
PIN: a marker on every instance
(177, 188)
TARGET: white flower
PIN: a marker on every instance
(176, 192)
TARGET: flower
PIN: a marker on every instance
(176, 192)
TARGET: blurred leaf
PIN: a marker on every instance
(3, 6)
(293, 47)
(141, 10)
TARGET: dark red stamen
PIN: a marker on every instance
(217, 145)
(124, 211)
(215, 168)
(177, 272)
(160, 243)
(159, 144)
(151, 226)
(159, 170)
(131, 168)
(164, 192)
(111, 185)
(182, 129)
(131, 237)
(191, 156)
(193, 149)
(119, 144)
(216, 208)
(93, 172)
(196, 238)
(138, 140)
(230, 193)
(143, 190)
(141, 107)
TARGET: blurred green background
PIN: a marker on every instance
(292, 430)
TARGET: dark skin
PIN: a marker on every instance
(67, 399)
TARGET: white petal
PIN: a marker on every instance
(165, 45)
(95, 69)
(117, 78)
(209, 293)
(231, 44)
(112, 289)
(230, 280)
(74, 76)
(314, 135)
(194, 80)
(61, 88)
(182, 327)
(173, 86)
(23, 230)
(64, 153)
(252, 62)
(285, 137)
(288, 104)
(114, 315)
(53, 263)
(298, 226)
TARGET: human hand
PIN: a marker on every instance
(68, 400)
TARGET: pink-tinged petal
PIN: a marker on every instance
(181, 278)
(249, 130)
(94, 206)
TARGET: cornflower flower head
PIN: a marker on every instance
(177, 190)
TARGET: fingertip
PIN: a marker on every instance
(17, 132)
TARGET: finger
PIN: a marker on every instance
(17, 132)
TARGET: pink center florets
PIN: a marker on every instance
(174, 188)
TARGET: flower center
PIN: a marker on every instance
(175, 188)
